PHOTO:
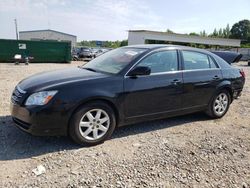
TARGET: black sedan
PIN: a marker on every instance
(124, 86)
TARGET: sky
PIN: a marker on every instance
(111, 19)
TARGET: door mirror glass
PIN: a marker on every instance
(139, 71)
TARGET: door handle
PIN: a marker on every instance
(216, 77)
(176, 82)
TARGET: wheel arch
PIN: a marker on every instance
(92, 100)
(226, 85)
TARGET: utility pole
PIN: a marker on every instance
(16, 29)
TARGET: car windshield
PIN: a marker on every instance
(114, 61)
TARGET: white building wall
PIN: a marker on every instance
(135, 38)
(47, 35)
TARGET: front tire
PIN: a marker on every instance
(92, 124)
(219, 104)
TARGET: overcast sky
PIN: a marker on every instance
(110, 19)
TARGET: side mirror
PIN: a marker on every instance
(139, 71)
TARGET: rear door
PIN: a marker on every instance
(201, 75)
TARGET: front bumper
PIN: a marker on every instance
(85, 56)
(237, 94)
(39, 121)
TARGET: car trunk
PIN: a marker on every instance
(229, 57)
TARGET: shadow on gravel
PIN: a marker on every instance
(158, 124)
(16, 144)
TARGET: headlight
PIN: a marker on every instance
(40, 98)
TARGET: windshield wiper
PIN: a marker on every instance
(90, 69)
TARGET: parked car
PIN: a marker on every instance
(126, 85)
(86, 52)
(75, 54)
(98, 51)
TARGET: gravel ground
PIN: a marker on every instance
(186, 151)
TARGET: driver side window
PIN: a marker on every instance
(163, 61)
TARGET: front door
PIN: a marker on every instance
(158, 92)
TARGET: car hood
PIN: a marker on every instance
(58, 77)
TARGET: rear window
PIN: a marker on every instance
(86, 50)
(195, 60)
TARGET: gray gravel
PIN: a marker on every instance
(186, 151)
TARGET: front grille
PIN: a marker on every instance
(17, 95)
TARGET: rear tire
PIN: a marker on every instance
(219, 104)
(92, 124)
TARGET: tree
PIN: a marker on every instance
(220, 33)
(241, 30)
(124, 43)
(215, 33)
(227, 31)
(169, 31)
(203, 33)
(194, 34)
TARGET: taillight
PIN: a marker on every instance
(242, 73)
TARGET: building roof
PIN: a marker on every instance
(174, 37)
(47, 30)
(177, 34)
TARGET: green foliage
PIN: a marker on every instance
(106, 44)
(221, 33)
(87, 43)
(215, 33)
(203, 33)
(124, 43)
(227, 31)
(241, 30)
(194, 34)
(245, 45)
(169, 31)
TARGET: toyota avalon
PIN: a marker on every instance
(126, 85)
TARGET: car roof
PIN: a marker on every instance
(158, 46)
(149, 46)
(152, 47)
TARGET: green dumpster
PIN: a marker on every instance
(40, 51)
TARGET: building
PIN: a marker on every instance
(145, 36)
(48, 34)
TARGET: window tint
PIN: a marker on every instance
(195, 60)
(163, 61)
(212, 63)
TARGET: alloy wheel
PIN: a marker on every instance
(220, 104)
(94, 124)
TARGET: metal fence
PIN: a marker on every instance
(244, 51)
